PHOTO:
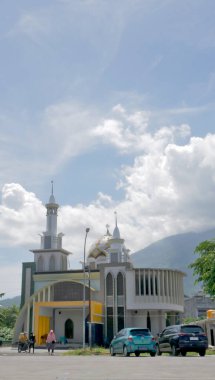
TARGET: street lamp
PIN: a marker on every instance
(84, 288)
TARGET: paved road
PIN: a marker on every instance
(44, 367)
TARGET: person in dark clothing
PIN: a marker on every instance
(31, 342)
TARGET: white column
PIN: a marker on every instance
(28, 318)
(163, 288)
(49, 293)
(167, 285)
(149, 281)
(154, 287)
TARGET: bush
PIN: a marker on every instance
(6, 333)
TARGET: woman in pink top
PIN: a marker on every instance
(51, 340)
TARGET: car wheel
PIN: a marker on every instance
(202, 353)
(152, 353)
(112, 351)
(125, 351)
(159, 353)
(137, 353)
(174, 351)
(183, 353)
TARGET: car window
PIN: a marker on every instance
(120, 333)
(168, 331)
(192, 329)
(136, 332)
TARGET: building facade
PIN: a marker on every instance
(106, 295)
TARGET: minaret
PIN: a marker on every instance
(116, 244)
(50, 236)
(51, 257)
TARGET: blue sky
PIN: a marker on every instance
(114, 101)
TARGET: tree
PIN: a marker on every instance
(204, 266)
(8, 316)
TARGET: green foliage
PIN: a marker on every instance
(192, 319)
(6, 333)
(8, 316)
(88, 351)
(204, 266)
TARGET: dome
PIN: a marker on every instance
(100, 246)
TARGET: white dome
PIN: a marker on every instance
(100, 246)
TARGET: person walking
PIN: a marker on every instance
(51, 340)
(31, 342)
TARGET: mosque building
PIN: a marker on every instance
(92, 303)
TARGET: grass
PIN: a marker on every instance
(88, 351)
(105, 351)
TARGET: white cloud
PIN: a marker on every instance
(168, 189)
(21, 216)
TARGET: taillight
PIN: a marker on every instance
(153, 338)
(130, 339)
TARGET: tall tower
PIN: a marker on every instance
(50, 239)
(116, 245)
(51, 257)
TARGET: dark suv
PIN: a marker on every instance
(180, 339)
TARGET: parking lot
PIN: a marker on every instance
(58, 367)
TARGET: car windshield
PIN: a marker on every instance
(191, 329)
(136, 332)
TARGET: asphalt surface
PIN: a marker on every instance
(40, 365)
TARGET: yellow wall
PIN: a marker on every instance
(96, 312)
(211, 314)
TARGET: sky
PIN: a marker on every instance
(114, 101)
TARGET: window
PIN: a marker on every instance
(142, 332)
(40, 264)
(109, 284)
(52, 264)
(120, 287)
(120, 318)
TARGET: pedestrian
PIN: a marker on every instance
(31, 342)
(51, 340)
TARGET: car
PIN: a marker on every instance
(180, 339)
(133, 340)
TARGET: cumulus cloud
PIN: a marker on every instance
(168, 189)
(21, 216)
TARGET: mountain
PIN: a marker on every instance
(174, 252)
(11, 301)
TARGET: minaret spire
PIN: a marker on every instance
(52, 182)
(116, 233)
(115, 218)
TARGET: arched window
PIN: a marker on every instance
(120, 287)
(109, 284)
(52, 263)
(69, 329)
(40, 264)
